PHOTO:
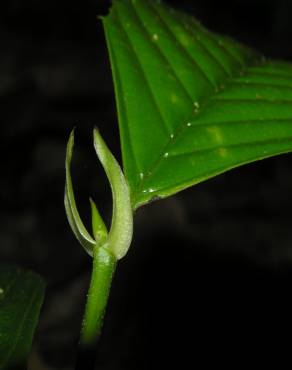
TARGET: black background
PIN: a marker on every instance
(208, 277)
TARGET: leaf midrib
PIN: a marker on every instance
(183, 126)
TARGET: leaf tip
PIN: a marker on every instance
(70, 146)
(99, 228)
(99, 144)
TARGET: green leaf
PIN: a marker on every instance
(191, 104)
(121, 231)
(118, 239)
(21, 296)
(99, 228)
(74, 219)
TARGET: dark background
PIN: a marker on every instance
(209, 273)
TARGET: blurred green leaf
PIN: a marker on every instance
(21, 296)
(191, 104)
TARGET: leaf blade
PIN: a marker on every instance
(120, 235)
(99, 228)
(20, 302)
(72, 213)
(192, 104)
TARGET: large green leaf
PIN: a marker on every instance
(191, 103)
(21, 296)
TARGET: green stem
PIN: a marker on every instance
(105, 248)
(104, 264)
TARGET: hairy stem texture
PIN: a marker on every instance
(104, 264)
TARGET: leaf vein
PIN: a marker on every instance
(261, 84)
(251, 100)
(183, 49)
(207, 52)
(163, 56)
(219, 44)
(164, 125)
(280, 76)
(195, 125)
(228, 146)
